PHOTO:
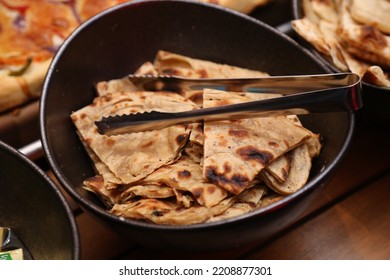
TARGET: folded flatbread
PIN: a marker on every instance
(298, 175)
(168, 212)
(175, 64)
(186, 175)
(236, 151)
(372, 13)
(130, 157)
(375, 75)
(169, 63)
(299, 164)
(364, 41)
(202, 172)
(247, 201)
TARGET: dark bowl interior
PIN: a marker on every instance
(35, 209)
(375, 98)
(117, 42)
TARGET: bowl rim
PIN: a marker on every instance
(100, 212)
(298, 14)
(54, 188)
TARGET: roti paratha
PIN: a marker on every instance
(373, 14)
(354, 40)
(133, 156)
(168, 212)
(186, 175)
(236, 151)
(135, 184)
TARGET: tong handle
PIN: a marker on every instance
(284, 85)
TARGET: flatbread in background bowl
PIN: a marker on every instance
(335, 30)
(218, 170)
(344, 36)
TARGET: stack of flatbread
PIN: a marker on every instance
(195, 173)
(352, 34)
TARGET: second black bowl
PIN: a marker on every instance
(35, 210)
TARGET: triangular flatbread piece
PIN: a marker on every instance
(133, 156)
(168, 63)
(372, 13)
(298, 175)
(186, 175)
(236, 151)
(367, 42)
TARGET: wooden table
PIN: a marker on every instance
(351, 220)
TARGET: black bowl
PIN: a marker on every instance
(375, 98)
(115, 43)
(34, 208)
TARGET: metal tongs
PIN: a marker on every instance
(302, 94)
